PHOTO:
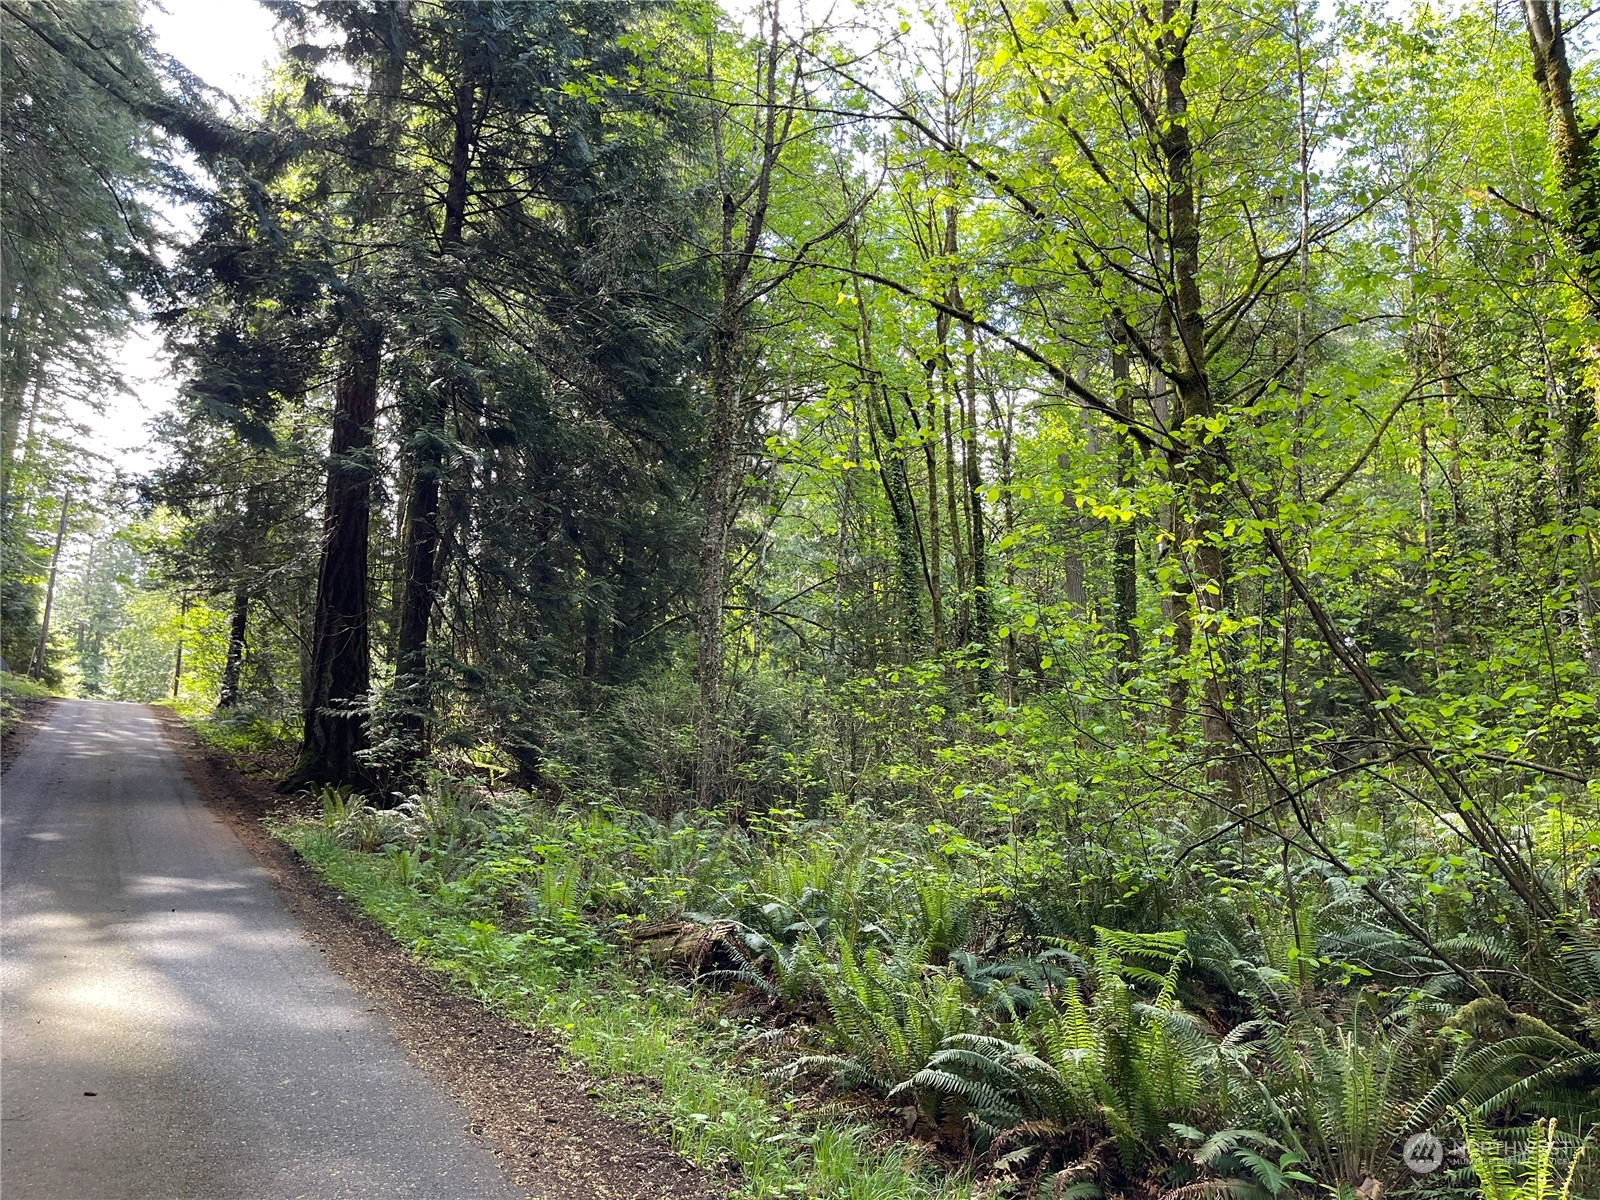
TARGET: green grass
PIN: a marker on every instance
(665, 1058)
(238, 731)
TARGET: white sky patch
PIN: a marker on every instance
(227, 43)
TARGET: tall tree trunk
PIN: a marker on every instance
(340, 662)
(17, 370)
(419, 558)
(1192, 382)
(978, 554)
(1564, 453)
(39, 655)
(177, 660)
(722, 460)
(429, 437)
(891, 456)
(1438, 618)
(743, 223)
(238, 624)
(958, 554)
(1572, 150)
(1005, 424)
(930, 453)
(908, 581)
(1303, 171)
(958, 545)
(1175, 595)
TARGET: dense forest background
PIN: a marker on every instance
(1045, 548)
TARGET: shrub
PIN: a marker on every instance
(1095, 1069)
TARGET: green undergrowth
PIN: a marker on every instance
(664, 1056)
(243, 732)
(22, 688)
(858, 1003)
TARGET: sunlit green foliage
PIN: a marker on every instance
(1143, 454)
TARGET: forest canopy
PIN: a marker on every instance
(1039, 553)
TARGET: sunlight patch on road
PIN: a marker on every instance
(177, 885)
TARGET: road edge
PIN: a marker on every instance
(31, 715)
(532, 1106)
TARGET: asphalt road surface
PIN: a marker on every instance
(167, 1031)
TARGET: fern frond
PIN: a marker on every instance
(1533, 1087)
(1084, 1189)
(984, 1100)
(1226, 1141)
(1480, 1077)
(1219, 1189)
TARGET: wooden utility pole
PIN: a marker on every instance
(37, 669)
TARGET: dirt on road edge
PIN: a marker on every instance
(524, 1098)
(20, 724)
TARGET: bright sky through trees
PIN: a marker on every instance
(228, 44)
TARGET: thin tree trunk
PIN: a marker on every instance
(896, 486)
(930, 451)
(17, 370)
(742, 226)
(177, 662)
(1005, 423)
(1193, 385)
(912, 429)
(1564, 451)
(982, 620)
(1436, 613)
(39, 655)
(29, 448)
(1304, 253)
(397, 558)
(238, 623)
(963, 632)
(722, 458)
(1572, 151)
(1437, 618)
(1124, 538)
(20, 444)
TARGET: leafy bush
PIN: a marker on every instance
(890, 1011)
(12, 689)
(447, 822)
(22, 687)
(357, 824)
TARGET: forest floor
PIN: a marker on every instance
(535, 1107)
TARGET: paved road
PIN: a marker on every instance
(147, 960)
